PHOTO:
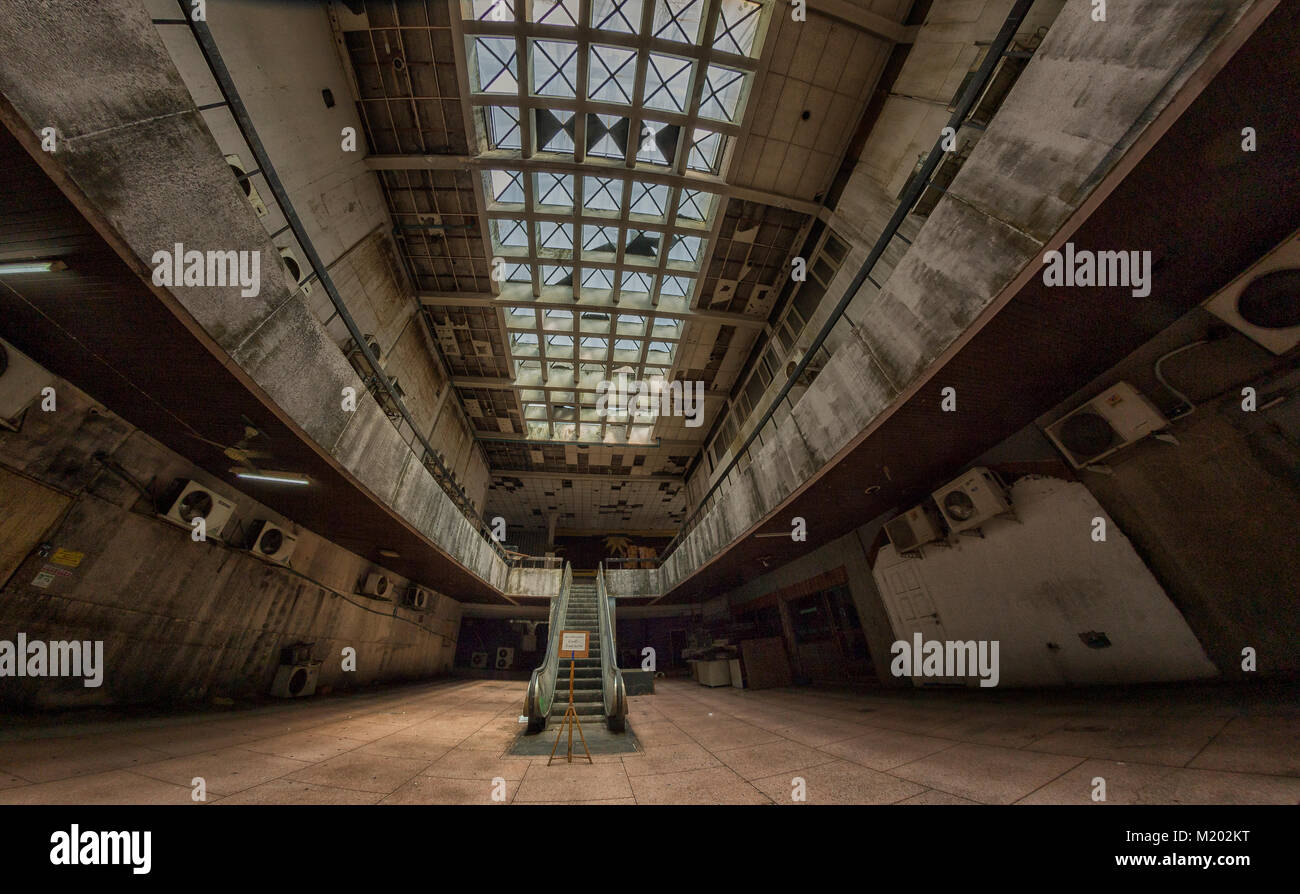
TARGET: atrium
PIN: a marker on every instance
(818, 401)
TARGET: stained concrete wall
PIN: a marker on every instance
(1037, 584)
(534, 582)
(183, 620)
(133, 142)
(1084, 98)
(338, 198)
(1214, 515)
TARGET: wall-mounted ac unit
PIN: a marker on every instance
(296, 269)
(376, 585)
(915, 527)
(1109, 422)
(21, 381)
(200, 501)
(419, 598)
(270, 541)
(1264, 302)
(972, 499)
(505, 658)
(478, 660)
(246, 184)
(296, 680)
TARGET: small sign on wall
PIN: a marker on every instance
(573, 643)
(66, 557)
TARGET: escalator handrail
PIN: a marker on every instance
(541, 685)
(615, 696)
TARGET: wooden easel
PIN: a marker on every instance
(570, 720)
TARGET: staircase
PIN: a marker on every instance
(588, 695)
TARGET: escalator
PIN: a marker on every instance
(582, 604)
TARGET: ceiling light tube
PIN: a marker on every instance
(273, 477)
(11, 268)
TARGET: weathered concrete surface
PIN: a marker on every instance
(1084, 99)
(534, 582)
(182, 620)
(133, 143)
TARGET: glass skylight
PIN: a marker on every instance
(602, 141)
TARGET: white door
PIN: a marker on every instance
(911, 610)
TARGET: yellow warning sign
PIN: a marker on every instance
(67, 558)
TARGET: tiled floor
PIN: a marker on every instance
(446, 742)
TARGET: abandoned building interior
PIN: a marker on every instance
(801, 401)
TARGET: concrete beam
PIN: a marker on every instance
(663, 444)
(692, 179)
(576, 476)
(870, 22)
(484, 299)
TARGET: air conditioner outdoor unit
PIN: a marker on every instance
(1264, 302)
(1109, 422)
(296, 680)
(296, 269)
(915, 527)
(505, 658)
(478, 660)
(246, 184)
(418, 598)
(21, 381)
(270, 541)
(376, 585)
(199, 501)
(972, 499)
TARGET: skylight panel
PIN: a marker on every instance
(611, 74)
(667, 82)
(737, 27)
(505, 187)
(607, 136)
(510, 233)
(601, 193)
(496, 65)
(706, 149)
(555, 12)
(685, 248)
(555, 68)
(493, 10)
(503, 127)
(551, 234)
(557, 275)
(599, 239)
(694, 204)
(636, 282)
(678, 20)
(554, 190)
(616, 15)
(721, 96)
(597, 278)
(649, 198)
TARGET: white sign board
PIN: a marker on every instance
(573, 642)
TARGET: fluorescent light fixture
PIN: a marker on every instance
(272, 477)
(15, 267)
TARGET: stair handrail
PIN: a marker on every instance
(612, 689)
(541, 685)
